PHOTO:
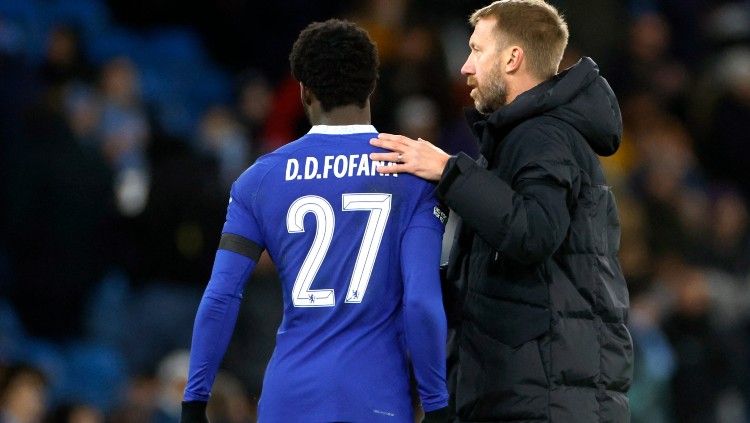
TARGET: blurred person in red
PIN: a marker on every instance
(253, 107)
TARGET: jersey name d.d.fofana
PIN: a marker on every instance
(357, 253)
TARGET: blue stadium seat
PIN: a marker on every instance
(215, 86)
(88, 16)
(50, 359)
(106, 306)
(12, 334)
(112, 43)
(93, 375)
(27, 18)
(22, 11)
(175, 46)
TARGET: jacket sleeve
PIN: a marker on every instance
(424, 319)
(526, 221)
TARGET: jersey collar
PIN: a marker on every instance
(342, 129)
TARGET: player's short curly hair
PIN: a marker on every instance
(338, 61)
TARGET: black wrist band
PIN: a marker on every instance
(193, 412)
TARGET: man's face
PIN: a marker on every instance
(483, 68)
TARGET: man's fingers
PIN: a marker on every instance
(387, 144)
(394, 168)
(394, 157)
(394, 138)
(384, 157)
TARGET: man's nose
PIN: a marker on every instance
(467, 68)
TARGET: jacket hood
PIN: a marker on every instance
(578, 96)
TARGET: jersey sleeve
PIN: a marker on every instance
(424, 317)
(430, 213)
(241, 218)
(239, 250)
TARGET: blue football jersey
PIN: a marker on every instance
(357, 254)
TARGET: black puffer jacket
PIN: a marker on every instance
(541, 334)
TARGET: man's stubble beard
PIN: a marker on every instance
(493, 95)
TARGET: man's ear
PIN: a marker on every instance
(306, 95)
(514, 59)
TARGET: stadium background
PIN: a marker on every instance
(123, 123)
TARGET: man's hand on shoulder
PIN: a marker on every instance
(418, 157)
(193, 412)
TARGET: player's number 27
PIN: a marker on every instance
(379, 206)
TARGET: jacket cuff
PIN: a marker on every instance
(456, 165)
(441, 415)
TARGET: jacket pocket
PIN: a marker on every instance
(509, 322)
(510, 281)
(496, 382)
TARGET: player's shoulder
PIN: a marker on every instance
(415, 184)
(254, 174)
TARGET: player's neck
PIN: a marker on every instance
(345, 115)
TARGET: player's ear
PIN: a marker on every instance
(306, 95)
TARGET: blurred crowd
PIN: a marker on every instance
(123, 126)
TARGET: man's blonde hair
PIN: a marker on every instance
(535, 25)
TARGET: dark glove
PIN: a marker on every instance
(441, 415)
(193, 412)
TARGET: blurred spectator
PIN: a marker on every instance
(647, 64)
(255, 95)
(59, 208)
(728, 246)
(64, 61)
(650, 395)
(383, 20)
(174, 239)
(139, 401)
(636, 258)
(599, 37)
(76, 413)
(125, 134)
(82, 108)
(640, 113)
(671, 187)
(23, 394)
(417, 117)
(722, 114)
(418, 70)
(286, 118)
(222, 139)
(702, 371)
(229, 403)
(172, 377)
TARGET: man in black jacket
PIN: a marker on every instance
(540, 331)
